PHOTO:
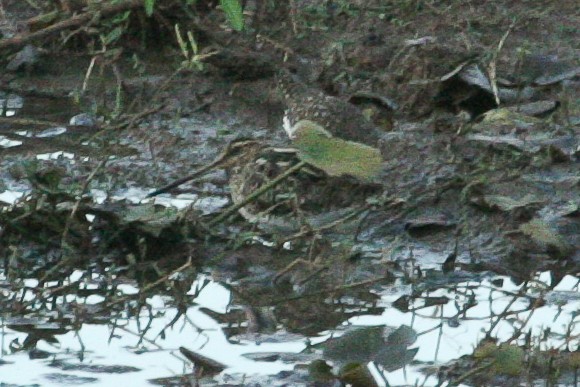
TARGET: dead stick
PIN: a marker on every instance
(128, 123)
(330, 290)
(151, 285)
(219, 160)
(325, 227)
(75, 21)
(66, 260)
(29, 122)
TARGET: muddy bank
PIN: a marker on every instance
(478, 187)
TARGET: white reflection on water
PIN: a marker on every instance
(206, 205)
(5, 142)
(159, 357)
(10, 197)
(441, 345)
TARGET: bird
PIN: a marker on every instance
(340, 118)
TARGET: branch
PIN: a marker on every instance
(75, 21)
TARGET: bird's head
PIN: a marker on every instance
(288, 83)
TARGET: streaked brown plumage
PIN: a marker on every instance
(338, 117)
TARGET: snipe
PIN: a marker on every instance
(338, 117)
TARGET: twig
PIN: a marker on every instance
(107, 10)
(332, 290)
(470, 373)
(128, 122)
(219, 160)
(256, 194)
(28, 122)
(327, 226)
(94, 21)
(501, 315)
(65, 260)
(492, 64)
(277, 45)
(153, 284)
(78, 202)
(293, 12)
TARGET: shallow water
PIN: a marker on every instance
(107, 355)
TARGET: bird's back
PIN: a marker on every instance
(338, 117)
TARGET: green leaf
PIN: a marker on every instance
(333, 155)
(121, 17)
(181, 42)
(149, 4)
(233, 11)
(113, 35)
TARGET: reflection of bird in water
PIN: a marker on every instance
(339, 118)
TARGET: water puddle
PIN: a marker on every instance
(449, 322)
